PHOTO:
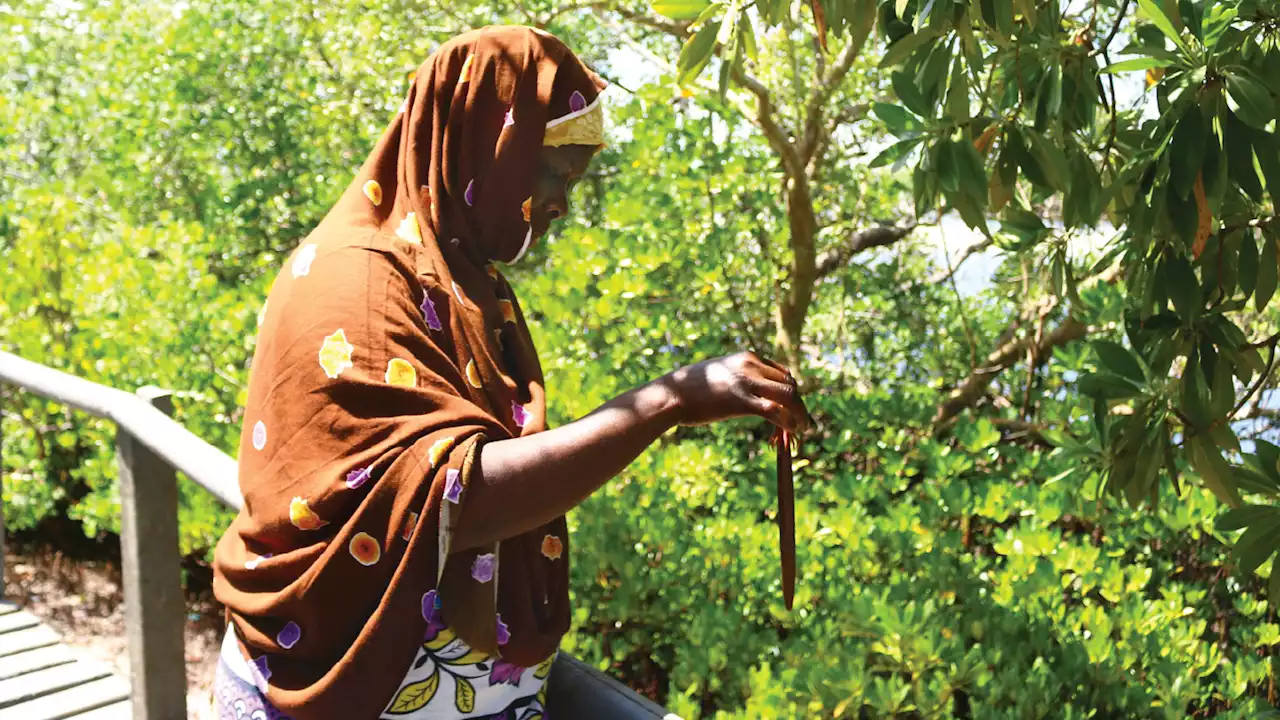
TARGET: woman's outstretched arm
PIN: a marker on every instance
(526, 482)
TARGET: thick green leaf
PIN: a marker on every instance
(1217, 20)
(1052, 160)
(1208, 462)
(1142, 63)
(1106, 387)
(1162, 21)
(1118, 360)
(1247, 264)
(1246, 515)
(948, 166)
(900, 50)
(1186, 151)
(1249, 100)
(898, 119)
(1267, 271)
(895, 152)
(680, 9)
(1184, 288)
(696, 53)
(1256, 546)
(905, 88)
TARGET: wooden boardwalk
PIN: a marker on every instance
(41, 679)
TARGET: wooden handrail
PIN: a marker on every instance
(150, 447)
(205, 464)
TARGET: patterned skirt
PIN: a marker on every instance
(446, 681)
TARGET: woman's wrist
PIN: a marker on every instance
(661, 400)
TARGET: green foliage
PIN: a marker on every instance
(993, 570)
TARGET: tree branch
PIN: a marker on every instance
(1011, 350)
(819, 96)
(861, 241)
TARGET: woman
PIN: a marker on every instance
(402, 552)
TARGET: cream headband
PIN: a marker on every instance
(584, 127)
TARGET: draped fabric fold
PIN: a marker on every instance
(390, 350)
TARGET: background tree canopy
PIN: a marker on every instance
(1008, 508)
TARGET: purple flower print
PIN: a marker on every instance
(505, 672)
(519, 414)
(577, 102)
(482, 568)
(289, 635)
(430, 605)
(431, 613)
(429, 311)
(260, 672)
(356, 478)
(470, 193)
(452, 486)
(504, 635)
(253, 564)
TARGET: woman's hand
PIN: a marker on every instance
(737, 386)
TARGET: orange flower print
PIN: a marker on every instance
(400, 372)
(335, 354)
(526, 208)
(508, 310)
(552, 547)
(409, 526)
(438, 450)
(365, 549)
(473, 375)
(373, 191)
(302, 517)
(408, 230)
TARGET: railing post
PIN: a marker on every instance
(155, 609)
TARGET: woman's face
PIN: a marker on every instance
(559, 169)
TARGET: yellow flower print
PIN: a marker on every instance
(473, 376)
(302, 517)
(335, 354)
(508, 311)
(465, 74)
(373, 191)
(408, 230)
(438, 449)
(526, 208)
(400, 372)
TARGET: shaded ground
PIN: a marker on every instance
(81, 599)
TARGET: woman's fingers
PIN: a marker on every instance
(791, 413)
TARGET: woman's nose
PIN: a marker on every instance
(558, 206)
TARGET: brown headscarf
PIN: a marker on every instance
(389, 351)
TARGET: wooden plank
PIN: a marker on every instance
(24, 640)
(48, 681)
(33, 660)
(117, 711)
(154, 609)
(71, 702)
(20, 620)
